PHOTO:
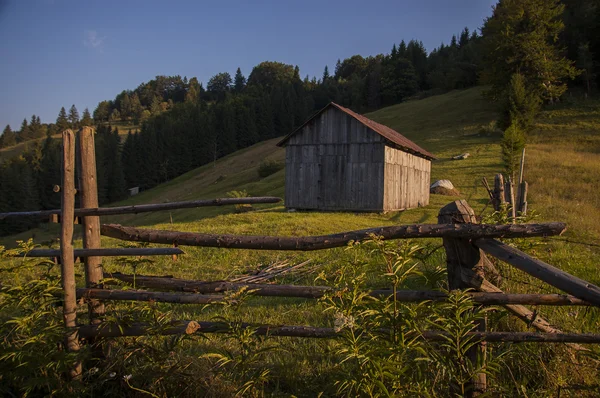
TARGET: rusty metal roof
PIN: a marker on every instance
(384, 131)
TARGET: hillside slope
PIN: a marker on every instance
(445, 125)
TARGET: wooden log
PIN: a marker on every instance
(141, 295)
(268, 290)
(499, 192)
(309, 243)
(191, 327)
(540, 270)
(483, 298)
(524, 187)
(108, 252)
(91, 224)
(66, 248)
(522, 167)
(523, 313)
(461, 254)
(486, 185)
(184, 285)
(510, 197)
(135, 209)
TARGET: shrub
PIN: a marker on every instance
(240, 194)
(269, 167)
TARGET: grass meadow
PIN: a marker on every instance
(562, 168)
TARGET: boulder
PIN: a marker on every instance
(443, 183)
(443, 187)
(461, 156)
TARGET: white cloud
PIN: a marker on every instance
(93, 40)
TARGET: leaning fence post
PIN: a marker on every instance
(460, 254)
(66, 247)
(91, 224)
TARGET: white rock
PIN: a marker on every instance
(442, 183)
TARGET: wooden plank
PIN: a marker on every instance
(308, 243)
(91, 224)
(66, 248)
(540, 270)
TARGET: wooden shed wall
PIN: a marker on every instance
(407, 179)
(335, 163)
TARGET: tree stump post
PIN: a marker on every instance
(66, 248)
(462, 254)
(499, 192)
(91, 224)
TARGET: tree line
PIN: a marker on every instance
(35, 129)
(527, 52)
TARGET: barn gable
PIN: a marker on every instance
(339, 160)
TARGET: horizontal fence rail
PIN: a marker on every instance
(308, 243)
(542, 271)
(134, 209)
(193, 288)
(108, 252)
(193, 327)
(407, 296)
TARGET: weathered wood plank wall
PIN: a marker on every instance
(337, 163)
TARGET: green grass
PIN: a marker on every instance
(562, 167)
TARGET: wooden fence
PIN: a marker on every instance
(465, 241)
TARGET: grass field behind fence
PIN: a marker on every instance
(562, 168)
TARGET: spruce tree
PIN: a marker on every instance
(239, 81)
(325, 74)
(24, 133)
(86, 119)
(62, 122)
(522, 37)
(73, 117)
(8, 137)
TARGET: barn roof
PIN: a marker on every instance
(384, 131)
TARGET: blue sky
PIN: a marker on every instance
(56, 53)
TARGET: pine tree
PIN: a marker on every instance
(522, 37)
(24, 133)
(35, 127)
(520, 106)
(117, 188)
(62, 122)
(86, 119)
(50, 173)
(402, 50)
(8, 137)
(325, 75)
(464, 38)
(239, 81)
(73, 117)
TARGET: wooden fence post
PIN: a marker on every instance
(460, 254)
(91, 224)
(66, 248)
(499, 192)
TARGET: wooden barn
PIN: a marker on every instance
(342, 161)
